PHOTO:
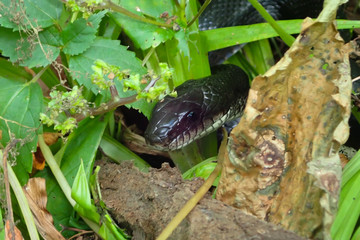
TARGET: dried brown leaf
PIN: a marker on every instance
(282, 163)
(35, 192)
(9, 235)
(38, 160)
(51, 137)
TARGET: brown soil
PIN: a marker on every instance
(144, 203)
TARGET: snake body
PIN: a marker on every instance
(203, 105)
(199, 108)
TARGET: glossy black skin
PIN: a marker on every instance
(200, 103)
(227, 13)
(176, 121)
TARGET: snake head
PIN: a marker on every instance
(175, 121)
(201, 107)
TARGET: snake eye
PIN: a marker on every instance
(191, 115)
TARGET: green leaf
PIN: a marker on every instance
(27, 51)
(11, 71)
(119, 153)
(51, 36)
(183, 43)
(203, 169)
(111, 52)
(110, 231)
(352, 168)
(349, 209)
(79, 35)
(356, 234)
(230, 36)
(81, 145)
(2, 228)
(80, 191)
(259, 54)
(145, 35)
(20, 107)
(349, 204)
(39, 13)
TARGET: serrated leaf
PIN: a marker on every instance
(51, 36)
(20, 107)
(39, 13)
(27, 51)
(183, 38)
(79, 35)
(145, 35)
(111, 52)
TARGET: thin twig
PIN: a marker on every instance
(356, 79)
(206, 3)
(115, 102)
(151, 84)
(80, 234)
(104, 108)
(80, 231)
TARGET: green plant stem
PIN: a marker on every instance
(147, 56)
(112, 104)
(287, 38)
(176, 3)
(121, 10)
(22, 201)
(60, 178)
(203, 7)
(74, 17)
(187, 157)
(38, 75)
(115, 102)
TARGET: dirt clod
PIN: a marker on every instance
(145, 202)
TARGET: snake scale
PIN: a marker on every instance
(203, 105)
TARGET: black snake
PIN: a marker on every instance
(203, 105)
